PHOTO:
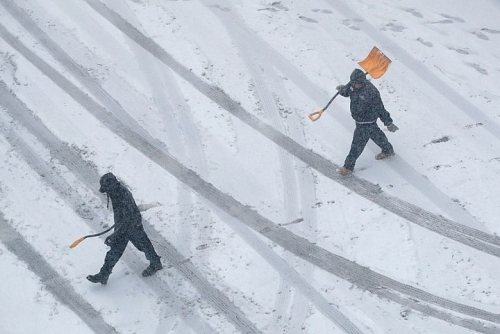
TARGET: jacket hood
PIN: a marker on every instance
(358, 76)
(108, 182)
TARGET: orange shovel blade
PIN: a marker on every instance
(376, 63)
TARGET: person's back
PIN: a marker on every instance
(128, 227)
(125, 209)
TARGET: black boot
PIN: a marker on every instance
(98, 278)
(154, 266)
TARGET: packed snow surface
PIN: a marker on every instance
(200, 107)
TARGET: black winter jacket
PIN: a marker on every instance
(126, 213)
(366, 104)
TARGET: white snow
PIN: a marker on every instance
(200, 107)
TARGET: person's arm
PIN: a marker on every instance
(379, 108)
(343, 90)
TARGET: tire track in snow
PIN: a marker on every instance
(64, 58)
(59, 287)
(75, 69)
(291, 275)
(211, 294)
(293, 184)
(316, 298)
(364, 188)
(360, 276)
(339, 266)
(218, 300)
(458, 232)
(182, 136)
(90, 178)
(418, 181)
(420, 70)
(440, 87)
(180, 130)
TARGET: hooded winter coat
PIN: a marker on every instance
(125, 210)
(366, 104)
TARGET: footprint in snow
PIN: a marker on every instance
(324, 11)
(347, 22)
(461, 51)
(426, 43)
(393, 27)
(453, 18)
(307, 19)
(443, 139)
(442, 22)
(491, 31)
(414, 12)
(480, 35)
(279, 6)
(448, 19)
(478, 68)
(223, 9)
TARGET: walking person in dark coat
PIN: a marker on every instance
(366, 108)
(128, 227)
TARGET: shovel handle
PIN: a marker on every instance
(314, 116)
(76, 242)
(317, 114)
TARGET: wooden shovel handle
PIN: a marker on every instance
(76, 242)
(314, 116)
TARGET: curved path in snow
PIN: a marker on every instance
(359, 275)
(461, 233)
(420, 70)
(325, 307)
(59, 287)
(295, 180)
(89, 177)
(420, 183)
(363, 277)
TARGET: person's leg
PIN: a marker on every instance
(378, 136)
(141, 241)
(359, 140)
(112, 257)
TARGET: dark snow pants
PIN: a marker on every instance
(138, 237)
(362, 134)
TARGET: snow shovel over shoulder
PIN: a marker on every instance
(375, 64)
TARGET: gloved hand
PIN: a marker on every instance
(342, 89)
(110, 239)
(392, 127)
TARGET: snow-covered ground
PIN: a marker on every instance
(200, 107)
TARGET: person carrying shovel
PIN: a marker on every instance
(366, 108)
(128, 227)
